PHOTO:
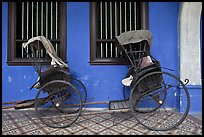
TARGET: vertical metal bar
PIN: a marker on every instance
(116, 29)
(120, 20)
(39, 58)
(56, 26)
(139, 54)
(51, 20)
(111, 25)
(130, 17)
(46, 27)
(106, 27)
(56, 20)
(32, 19)
(101, 10)
(22, 27)
(125, 17)
(32, 23)
(41, 54)
(27, 19)
(144, 15)
(42, 18)
(132, 54)
(22, 21)
(36, 54)
(135, 11)
(37, 19)
(27, 25)
(120, 23)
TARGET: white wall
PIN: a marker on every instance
(189, 41)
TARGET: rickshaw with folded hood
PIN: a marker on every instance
(58, 89)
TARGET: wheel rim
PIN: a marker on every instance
(174, 104)
(126, 94)
(80, 87)
(60, 108)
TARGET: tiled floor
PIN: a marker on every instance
(197, 115)
(24, 122)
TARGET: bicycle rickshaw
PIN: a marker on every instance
(158, 100)
(59, 90)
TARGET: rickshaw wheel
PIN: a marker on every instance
(80, 86)
(58, 104)
(126, 95)
(169, 92)
(148, 97)
(126, 92)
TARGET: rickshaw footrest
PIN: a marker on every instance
(118, 104)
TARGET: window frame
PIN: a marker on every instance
(144, 24)
(12, 60)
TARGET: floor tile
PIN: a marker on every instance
(25, 122)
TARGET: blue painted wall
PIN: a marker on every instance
(163, 18)
(103, 82)
(16, 81)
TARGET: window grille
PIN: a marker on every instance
(114, 18)
(110, 19)
(36, 19)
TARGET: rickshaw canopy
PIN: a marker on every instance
(136, 36)
(48, 47)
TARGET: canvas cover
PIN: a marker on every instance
(49, 48)
(135, 37)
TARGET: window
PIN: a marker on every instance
(110, 19)
(30, 19)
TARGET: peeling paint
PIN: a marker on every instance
(181, 103)
(9, 79)
(96, 83)
(86, 77)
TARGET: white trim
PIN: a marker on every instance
(189, 41)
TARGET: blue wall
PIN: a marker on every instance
(16, 81)
(103, 82)
(163, 18)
